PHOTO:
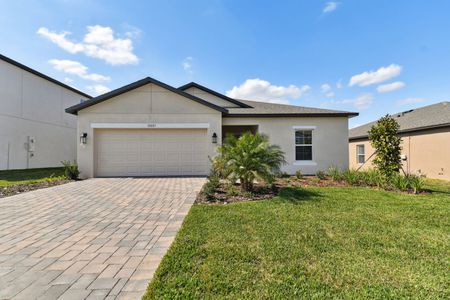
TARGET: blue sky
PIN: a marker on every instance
(374, 57)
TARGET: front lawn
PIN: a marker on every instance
(332, 242)
(9, 177)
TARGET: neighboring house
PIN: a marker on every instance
(425, 134)
(149, 128)
(35, 131)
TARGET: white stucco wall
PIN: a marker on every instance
(148, 104)
(330, 140)
(31, 106)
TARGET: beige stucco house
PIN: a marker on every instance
(149, 128)
(425, 134)
(35, 132)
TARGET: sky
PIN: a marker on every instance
(372, 57)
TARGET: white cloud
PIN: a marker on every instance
(262, 90)
(99, 43)
(339, 84)
(187, 64)
(408, 101)
(374, 77)
(330, 6)
(76, 68)
(68, 80)
(363, 101)
(326, 89)
(385, 88)
(99, 89)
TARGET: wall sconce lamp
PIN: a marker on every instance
(83, 138)
(214, 138)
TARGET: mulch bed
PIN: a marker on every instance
(222, 196)
(15, 189)
(264, 192)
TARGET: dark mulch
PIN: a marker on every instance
(15, 189)
(226, 195)
(223, 194)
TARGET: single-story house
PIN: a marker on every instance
(149, 128)
(35, 132)
(425, 134)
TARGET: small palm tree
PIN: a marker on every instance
(248, 158)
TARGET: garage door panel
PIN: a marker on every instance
(151, 152)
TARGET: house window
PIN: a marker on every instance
(303, 145)
(360, 155)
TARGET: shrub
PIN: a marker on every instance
(299, 174)
(399, 182)
(210, 187)
(283, 175)
(384, 138)
(70, 169)
(351, 176)
(416, 183)
(335, 173)
(321, 175)
(249, 157)
(373, 177)
(231, 190)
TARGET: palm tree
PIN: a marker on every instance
(247, 158)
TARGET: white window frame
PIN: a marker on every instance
(358, 155)
(304, 162)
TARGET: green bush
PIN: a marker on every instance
(299, 174)
(211, 186)
(248, 158)
(384, 139)
(372, 177)
(399, 182)
(321, 175)
(232, 190)
(70, 169)
(351, 177)
(283, 175)
(416, 183)
(375, 178)
(335, 173)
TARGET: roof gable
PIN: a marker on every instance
(43, 76)
(214, 93)
(74, 109)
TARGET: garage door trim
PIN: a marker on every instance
(150, 125)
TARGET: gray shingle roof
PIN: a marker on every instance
(282, 110)
(431, 116)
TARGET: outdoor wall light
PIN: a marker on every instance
(83, 138)
(214, 138)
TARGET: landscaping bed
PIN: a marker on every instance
(224, 192)
(13, 182)
(15, 189)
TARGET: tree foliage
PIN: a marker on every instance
(247, 158)
(384, 138)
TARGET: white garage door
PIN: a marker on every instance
(151, 152)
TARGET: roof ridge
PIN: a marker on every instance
(297, 106)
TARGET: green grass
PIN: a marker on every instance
(10, 177)
(312, 243)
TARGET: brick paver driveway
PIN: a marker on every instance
(94, 239)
